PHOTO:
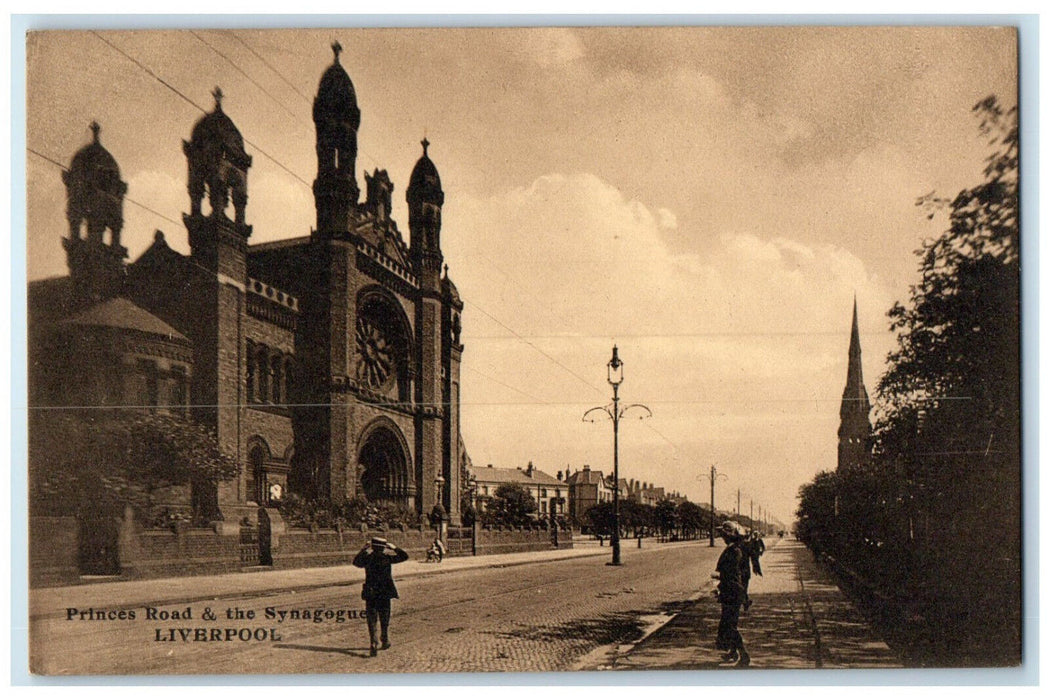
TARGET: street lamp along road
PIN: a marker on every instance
(714, 475)
(615, 377)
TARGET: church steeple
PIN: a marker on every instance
(854, 424)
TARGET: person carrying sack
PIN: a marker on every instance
(376, 558)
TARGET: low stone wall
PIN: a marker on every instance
(53, 551)
(183, 552)
(297, 548)
(509, 541)
(161, 553)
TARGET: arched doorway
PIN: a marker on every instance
(384, 468)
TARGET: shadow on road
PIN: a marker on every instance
(613, 628)
(360, 653)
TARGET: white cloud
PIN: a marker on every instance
(748, 337)
(667, 218)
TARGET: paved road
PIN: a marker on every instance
(537, 617)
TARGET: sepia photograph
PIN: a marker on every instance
(523, 349)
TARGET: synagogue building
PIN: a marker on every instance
(327, 365)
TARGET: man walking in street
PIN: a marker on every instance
(753, 548)
(376, 558)
(731, 594)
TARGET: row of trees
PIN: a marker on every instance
(683, 520)
(934, 519)
(512, 506)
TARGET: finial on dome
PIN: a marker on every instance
(425, 143)
(217, 94)
(95, 128)
(446, 270)
(337, 48)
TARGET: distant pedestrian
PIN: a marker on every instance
(436, 551)
(376, 558)
(756, 547)
(731, 594)
(753, 548)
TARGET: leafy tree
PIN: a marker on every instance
(951, 429)
(691, 518)
(665, 516)
(601, 517)
(951, 393)
(98, 461)
(935, 520)
(635, 517)
(510, 506)
(468, 513)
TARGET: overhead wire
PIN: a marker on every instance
(266, 63)
(288, 82)
(178, 92)
(187, 99)
(242, 72)
(126, 198)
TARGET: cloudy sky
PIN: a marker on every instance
(709, 199)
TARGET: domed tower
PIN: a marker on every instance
(218, 166)
(94, 204)
(336, 119)
(425, 199)
(439, 420)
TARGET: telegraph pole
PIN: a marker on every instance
(712, 534)
(738, 503)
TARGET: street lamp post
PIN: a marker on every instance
(615, 378)
(438, 483)
(714, 475)
(472, 486)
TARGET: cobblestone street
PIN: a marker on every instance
(543, 616)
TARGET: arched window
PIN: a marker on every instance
(276, 379)
(287, 379)
(255, 487)
(249, 355)
(262, 366)
(179, 390)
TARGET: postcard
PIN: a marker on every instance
(372, 350)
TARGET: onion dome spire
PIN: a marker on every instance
(94, 205)
(336, 121)
(218, 163)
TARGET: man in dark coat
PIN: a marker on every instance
(376, 558)
(732, 594)
(753, 548)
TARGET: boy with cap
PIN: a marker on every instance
(376, 558)
(731, 594)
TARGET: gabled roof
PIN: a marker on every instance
(586, 476)
(123, 314)
(160, 255)
(514, 476)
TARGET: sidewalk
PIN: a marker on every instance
(52, 602)
(799, 619)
